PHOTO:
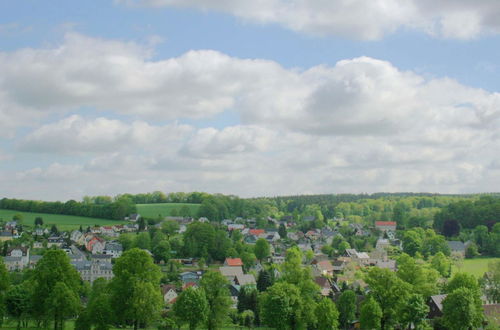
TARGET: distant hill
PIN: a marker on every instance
(63, 222)
(167, 209)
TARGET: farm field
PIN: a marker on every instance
(63, 222)
(164, 209)
(476, 267)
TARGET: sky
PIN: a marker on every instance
(251, 98)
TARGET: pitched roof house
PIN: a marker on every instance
(233, 262)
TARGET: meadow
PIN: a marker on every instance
(63, 222)
(164, 209)
(476, 266)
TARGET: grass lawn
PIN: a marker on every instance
(476, 266)
(164, 209)
(63, 222)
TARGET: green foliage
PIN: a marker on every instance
(99, 305)
(135, 293)
(54, 270)
(442, 264)
(154, 210)
(191, 307)
(262, 249)
(217, 294)
(370, 314)
(347, 308)
(389, 291)
(423, 278)
(18, 302)
(460, 310)
(264, 280)
(281, 306)
(248, 301)
(414, 311)
(491, 282)
(143, 241)
(63, 303)
(327, 315)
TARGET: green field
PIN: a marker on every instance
(164, 209)
(476, 267)
(63, 222)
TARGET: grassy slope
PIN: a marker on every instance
(476, 267)
(63, 222)
(153, 210)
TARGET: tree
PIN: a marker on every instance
(262, 249)
(471, 251)
(99, 305)
(423, 278)
(135, 294)
(53, 268)
(370, 314)
(63, 304)
(264, 280)
(18, 217)
(460, 311)
(143, 241)
(327, 315)
(442, 264)
(18, 302)
(282, 231)
(412, 242)
(191, 307)
(54, 230)
(248, 260)
(38, 221)
(170, 227)
(491, 282)
(343, 246)
(389, 291)
(161, 251)
(281, 306)
(468, 281)
(347, 308)
(414, 311)
(219, 301)
(248, 300)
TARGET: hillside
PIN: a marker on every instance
(166, 209)
(63, 222)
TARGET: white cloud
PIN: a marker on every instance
(461, 19)
(361, 125)
(75, 134)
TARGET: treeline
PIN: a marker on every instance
(467, 214)
(161, 197)
(117, 209)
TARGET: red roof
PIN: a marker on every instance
(257, 232)
(234, 262)
(189, 285)
(385, 223)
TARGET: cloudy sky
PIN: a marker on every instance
(254, 98)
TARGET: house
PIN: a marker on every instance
(230, 273)
(385, 225)
(338, 266)
(360, 257)
(108, 231)
(190, 277)
(324, 285)
(100, 259)
(169, 293)
(435, 304)
(114, 249)
(271, 237)
(324, 267)
(91, 270)
(458, 247)
(11, 225)
(250, 239)
(233, 262)
(245, 280)
(6, 236)
(277, 259)
(134, 217)
(388, 264)
(38, 231)
(235, 226)
(95, 245)
(55, 241)
(382, 244)
(256, 232)
(34, 259)
(77, 237)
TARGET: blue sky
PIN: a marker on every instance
(249, 98)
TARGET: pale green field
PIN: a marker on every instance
(476, 266)
(63, 222)
(164, 209)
